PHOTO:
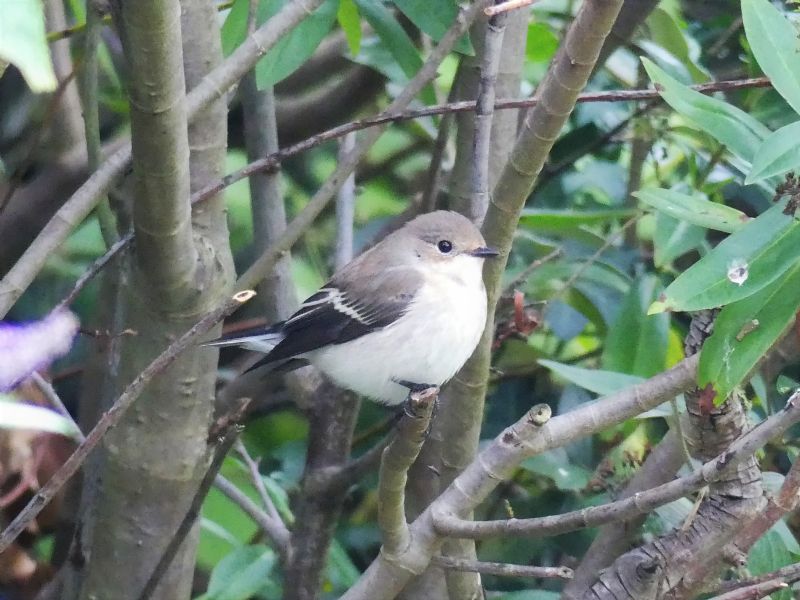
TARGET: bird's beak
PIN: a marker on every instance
(484, 252)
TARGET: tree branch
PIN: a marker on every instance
(398, 457)
(81, 203)
(640, 502)
(428, 71)
(531, 435)
(501, 569)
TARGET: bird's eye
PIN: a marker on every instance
(445, 246)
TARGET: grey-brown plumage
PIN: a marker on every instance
(376, 290)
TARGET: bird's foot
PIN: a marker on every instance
(420, 395)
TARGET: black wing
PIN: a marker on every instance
(333, 316)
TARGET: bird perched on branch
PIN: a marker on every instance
(405, 315)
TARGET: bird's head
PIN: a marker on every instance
(447, 241)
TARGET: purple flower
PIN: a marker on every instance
(27, 347)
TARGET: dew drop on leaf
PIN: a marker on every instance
(738, 271)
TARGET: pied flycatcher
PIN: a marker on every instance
(406, 314)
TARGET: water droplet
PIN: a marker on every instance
(738, 271)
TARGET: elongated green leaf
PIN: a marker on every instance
(634, 330)
(350, 22)
(17, 415)
(553, 220)
(673, 238)
(741, 265)
(779, 153)
(556, 465)
(292, 50)
(745, 330)
(769, 554)
(776, 47)
(434, 17)
(734, 128)
(665, 32)
(694, 209)
(242, 573)
(599, 382)
(392, 34)
(24, 45)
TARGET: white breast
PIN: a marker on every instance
(427, 345)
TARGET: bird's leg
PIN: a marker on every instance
(419, 396)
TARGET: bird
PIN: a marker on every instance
(403, 316)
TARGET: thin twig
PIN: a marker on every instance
(113, 416)
(91, 117)
(213, 86)
(595, 256)
(484, 111)
(528, 271)
(274, 529)
(501, 569)
(258, 482)
(319, 201)
(93, 270)
(504, 7)
(391, 116)
(397, 458)
(789, 574)
(753, 592)
(221, 450)
(52, 397)
(639, 503)
(345, 208)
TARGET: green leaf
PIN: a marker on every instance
(242, 573)
(340, 570)
(594, 380)
(773, 40)
(762, 251)
(769, 554)
(18, 415)
(23, 43)
(634, 330)
(541, 43)
(745, 330)
(694, 209)
(555, 220)
(434, 17)
(292, 50)
(673, 238)
(665, 32)
(350, 22)
(734, 128)
(555, 465)
(392, 34)
(778, 154)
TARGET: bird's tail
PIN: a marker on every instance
(258, 339)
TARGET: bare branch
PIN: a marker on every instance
(274, 529)
(531, 435)
(345, 209)
(258, 482)
(398, 457)
(231, 434)
(501, 569)
(484, 111)
(81, 203)
(640, 502)
(753, 592)
(345, 166)
(113, 416)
